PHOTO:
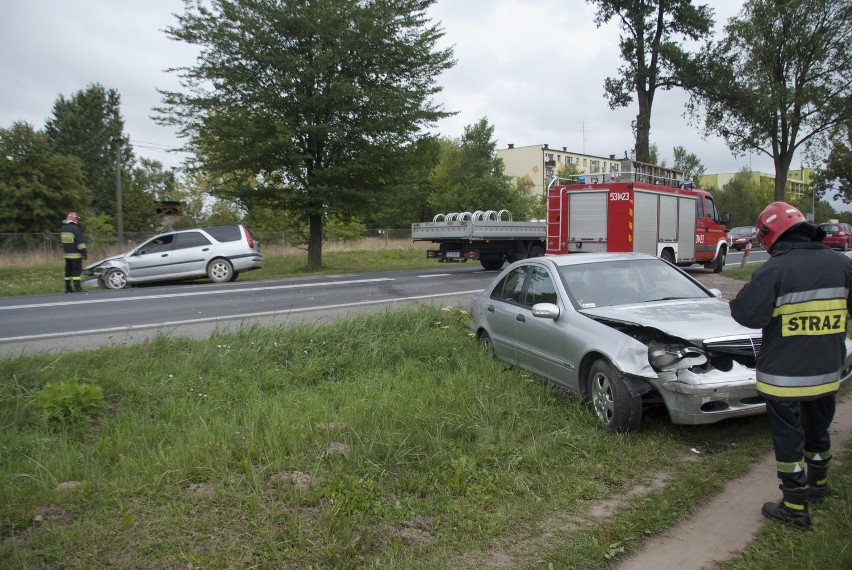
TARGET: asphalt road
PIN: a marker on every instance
(197, 309)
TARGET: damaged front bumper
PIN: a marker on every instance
(711, 396)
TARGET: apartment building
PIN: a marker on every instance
(538, 164)
(798, 181)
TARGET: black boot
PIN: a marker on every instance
(818, 488)
(78, 288)
(68, 288)
(792, 509)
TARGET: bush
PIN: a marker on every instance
(69, 403)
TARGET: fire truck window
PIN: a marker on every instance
(712, 213)
(700, 206)
(540, 288)
(511, 286)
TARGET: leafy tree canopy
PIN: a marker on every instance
(470, 177)
(778, 81)
(85, 125)
(688, 163)
(314, 99)
(38, 186)
(835, 174)
(652, 34)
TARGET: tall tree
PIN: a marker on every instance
(835, 174)
(145, 185)
(744, 197)
(86, 125)
(688, 163)
(778, 81)
(469, 176)
(37, 185)
(315, 99)
(652, 32)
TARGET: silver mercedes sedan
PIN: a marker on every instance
(623, 331)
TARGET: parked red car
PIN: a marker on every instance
(837, 235)
(742, 236)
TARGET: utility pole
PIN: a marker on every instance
(119, 215)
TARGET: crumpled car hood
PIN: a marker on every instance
(102, 261)
(689, 319)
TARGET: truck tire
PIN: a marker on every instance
(667, 255)
(719, 262)
(491, 264)
(536, 251)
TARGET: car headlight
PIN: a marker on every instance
(675, 356)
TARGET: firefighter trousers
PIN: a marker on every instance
(73, 272)
(800, 436)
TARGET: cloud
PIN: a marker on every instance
(534, 68)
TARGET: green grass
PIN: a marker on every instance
(386, 440)
(49, 278)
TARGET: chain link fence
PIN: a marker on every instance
(40, 248)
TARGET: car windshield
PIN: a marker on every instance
(741, 231)
(625, 282)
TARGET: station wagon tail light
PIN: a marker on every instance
(248, 237)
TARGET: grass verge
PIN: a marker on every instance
(379, 441)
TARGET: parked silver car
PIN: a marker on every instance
(219, 252)
(623, 331)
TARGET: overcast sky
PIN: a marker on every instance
(534, 68)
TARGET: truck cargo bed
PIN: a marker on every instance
(478, 230)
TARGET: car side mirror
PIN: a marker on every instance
(726, 219)
(716, 292)
(545, 311)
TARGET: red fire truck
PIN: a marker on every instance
(640, 207)
(647, 209)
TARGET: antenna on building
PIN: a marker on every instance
(583, 132)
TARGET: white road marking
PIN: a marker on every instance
(194, 293)
(130, 328)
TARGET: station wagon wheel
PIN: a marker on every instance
(612, 402)
(115, 279)
(485, 342)
(220, 270)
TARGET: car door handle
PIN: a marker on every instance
(164, 255)
(206, 249)
(520, 318)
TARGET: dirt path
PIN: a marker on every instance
(726, 525)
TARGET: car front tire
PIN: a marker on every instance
(613, 404)
(220, 271)
(115, 279)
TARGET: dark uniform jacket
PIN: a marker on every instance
(72, 241)
(800, 298)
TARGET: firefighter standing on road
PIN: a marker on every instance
(75, 252)
(800, 298)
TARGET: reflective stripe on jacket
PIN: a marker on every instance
(73, 245)
(800, 298)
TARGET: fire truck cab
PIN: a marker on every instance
(642, 208)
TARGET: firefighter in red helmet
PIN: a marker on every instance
(800, 298)
(74, 249)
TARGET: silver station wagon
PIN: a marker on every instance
(220, 253)
(624, 331)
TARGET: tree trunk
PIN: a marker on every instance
(315, 241)
(643, 128)
(782, 167)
